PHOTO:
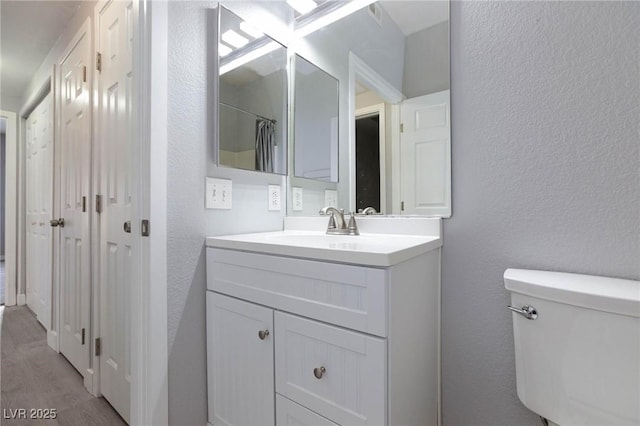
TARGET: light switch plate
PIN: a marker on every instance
(297, 194)
(274, 198)
(218, 193)
(331, 198)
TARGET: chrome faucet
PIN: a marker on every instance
(369, 210)
(337, 224)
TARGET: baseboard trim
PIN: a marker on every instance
(52, 340)
(22, 299)
(89, 382)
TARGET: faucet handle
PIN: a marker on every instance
(353, 226)
(332, 222)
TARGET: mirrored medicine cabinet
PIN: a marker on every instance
(359, 104)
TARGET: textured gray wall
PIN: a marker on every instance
(189, 161)
(426, 61)
(545, 175)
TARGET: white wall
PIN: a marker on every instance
(546, 175)
(426, 61)
(85, 10)
(189, 161)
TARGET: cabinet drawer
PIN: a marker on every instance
(337, 373)
(350, 296)
(288, 413)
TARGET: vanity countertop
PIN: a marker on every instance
(369, 249)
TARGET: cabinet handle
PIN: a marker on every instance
(319, 372)
(262, 334)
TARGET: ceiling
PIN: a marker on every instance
(28, 31)
(415, 15)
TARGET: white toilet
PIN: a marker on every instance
(577, 346)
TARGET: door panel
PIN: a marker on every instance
(239, 362)
(75, 142)
(115, 32)
(426, 155)
(39, 200)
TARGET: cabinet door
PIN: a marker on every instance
(337, 373)
(239, 362)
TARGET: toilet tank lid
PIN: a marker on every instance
(614, 295)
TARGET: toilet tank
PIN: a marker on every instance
(578, 361)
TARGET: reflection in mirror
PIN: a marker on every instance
(315, 122)
(410, 175)
(392, 62)
(252, 97)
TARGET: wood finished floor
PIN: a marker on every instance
(35, 376)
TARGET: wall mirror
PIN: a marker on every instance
(252, 97)
(315, 112)
(391, 60)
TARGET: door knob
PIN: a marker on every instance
(319, 372)
(61, 222)
(57, 222)
(262, 334)
(53, 222)
(127, 227)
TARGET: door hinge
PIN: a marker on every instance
(84, 74)
(98, 347)
(84, 204)
(83, 336)
(98, 61)
(98, 203)
(401, 127)
(401, 206)
(145, 229)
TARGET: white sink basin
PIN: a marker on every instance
(364, 249)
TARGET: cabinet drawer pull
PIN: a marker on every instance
(319, 372)
(262, 334)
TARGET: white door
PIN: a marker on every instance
(239, 362)
(115, 45)
(75, 145)
(39, 176)
(426, 155)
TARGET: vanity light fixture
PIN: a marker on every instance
(249, 56)
(224, 50)
(252, 31)
(302, 6)
(335, 12)
(234, 39)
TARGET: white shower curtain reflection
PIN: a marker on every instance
(265, 144)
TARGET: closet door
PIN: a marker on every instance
(115, 96)
(75, 143)
(39, 182)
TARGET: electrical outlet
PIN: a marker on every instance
(331, 198)
(274, 198)
(296, 194)
(218, 193)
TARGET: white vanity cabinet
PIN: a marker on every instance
(293, 341)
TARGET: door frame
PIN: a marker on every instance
(12, 172)
(149, 387)
(378, 109)
(360, 71)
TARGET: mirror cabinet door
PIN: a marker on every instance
(315, 122)
(252, 96)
